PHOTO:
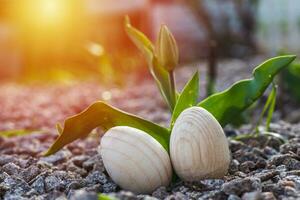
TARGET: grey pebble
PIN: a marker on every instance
(39, 185)
(51, 183)
(84, 195)
(57, 158)
(240, 186)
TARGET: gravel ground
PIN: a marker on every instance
(262, 168)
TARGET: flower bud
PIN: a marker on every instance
(167, 50)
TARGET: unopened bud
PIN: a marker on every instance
(167, 50)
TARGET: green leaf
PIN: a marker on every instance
(105, 116)
(160, 75)
(187, 98)
(226, 105)
(140, 40)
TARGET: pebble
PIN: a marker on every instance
(268, 196)
(57, 158)
(240, 186)
(79, 160)
(11, 169)
(160, 193)
(39, 185)
(30, 173)
(252, 196)
(51, 183)
(233, 197)
(247, 166)
(96, 177)
(84, 195)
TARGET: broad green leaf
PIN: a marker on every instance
(187, 98)
(226, 105)
(105, 116)
(160, 75)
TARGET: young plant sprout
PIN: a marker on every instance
(137, 153)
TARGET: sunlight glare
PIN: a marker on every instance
(51, 10)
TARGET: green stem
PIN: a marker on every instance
(172, 90)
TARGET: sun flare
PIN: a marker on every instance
(51, 10)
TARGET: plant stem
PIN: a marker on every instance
(172, 90)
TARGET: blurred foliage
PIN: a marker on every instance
(291, 79)
(20, 132)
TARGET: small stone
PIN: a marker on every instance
(274, 143)
(252, 196)
(213, 184)
(288, 147)
(260, 163)
(109, 187)
(236, 145)
(73, 186)
(234, 166)
(57, 158)
(160, 193)
(16, 186)
(290, 191)
(96, 177)
(32, 193)
(30, 173)
(264, 176)
(11, 169)
(39, 185)
(295, 179)
(94, 160)
(287, 183)
(279, 159)
(79, 160)
(233, 197)
(176, 196)
(292, 164)
(268, 196)
(276, 189)
(84, 195)
(240, 186)
(95, 188)
(52, 183)
(73, 168)
(146, 197)
(3, 176)
(269, 151)
(4, 159)
(247, 166)
(293, 172)
(55, 194)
